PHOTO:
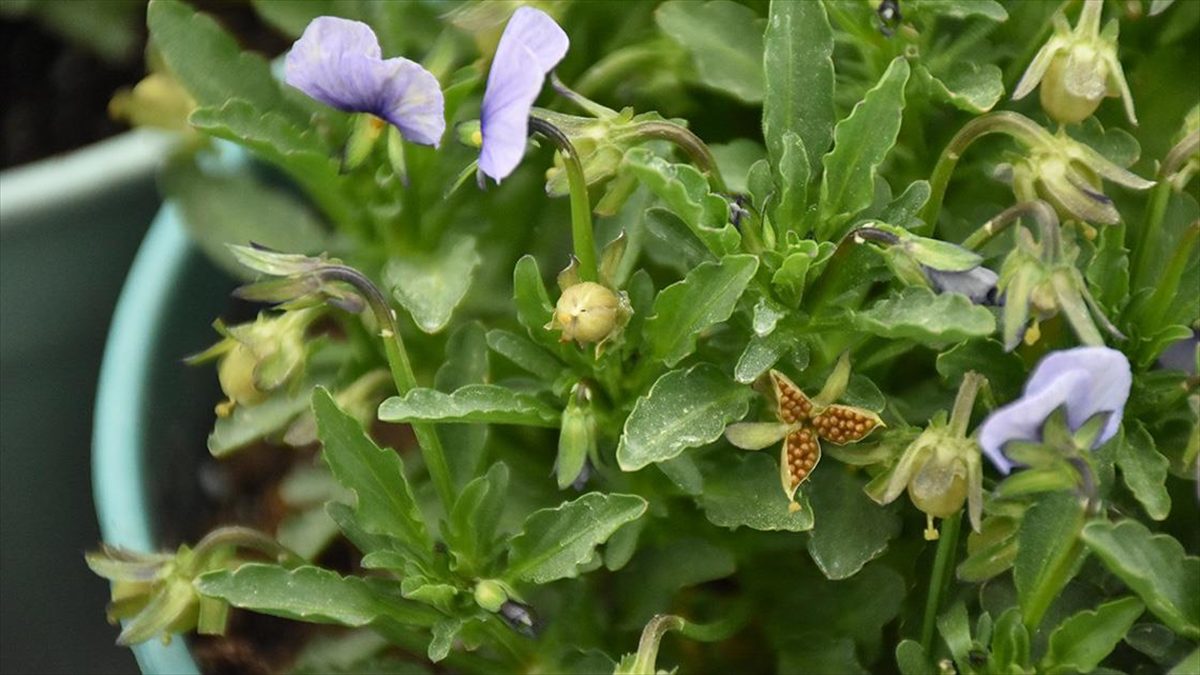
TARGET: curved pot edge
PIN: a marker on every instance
(118, 443)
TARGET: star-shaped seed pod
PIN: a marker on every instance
(803, 423)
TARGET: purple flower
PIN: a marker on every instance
(977, 283)
(339, 63)
(1085, 380)
(532, 44)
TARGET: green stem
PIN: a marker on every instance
(243, 537)
(940, 578)
(1037, 209)
(402, 375)
(690, 143)
(581, 205)
(1150, 243)
(1168, 284)
(964, 403)
(652, 635)
(1018, 126)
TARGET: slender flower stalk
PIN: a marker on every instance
(581, 207)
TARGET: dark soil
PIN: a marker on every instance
(55, 94)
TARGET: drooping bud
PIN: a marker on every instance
(1077, 68)
(577, 438)
(921, 261)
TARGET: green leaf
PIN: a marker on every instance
(209, 63)
(911, 659)
(955, 628)
(959, 9)
(1081, 642)
(686, 192)
(1144, 470)
(725, 41)
(523, 352)
(313, 595)
(250, 423)
(1190, 664)
(745, 491)
(798, 73)
(1155, 567)
(1108, 271)
(1048, 552)
(705, 297)
(920, 314)
(430, 286)
(472, 531)
(819, 652)
(466, 363)
(793, 184)
(385, 503)
(684, 409)
(966, 85)
(553, 543)
(861, 142)
(287, 144)
(1010, 644)
(761, 353)
(239, 209)
(850, 529)
(657, 575)
(444, 633)
(1004, 370)
(473, 403)
(533, 303)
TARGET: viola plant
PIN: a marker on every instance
(514, 418)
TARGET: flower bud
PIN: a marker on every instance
(490, 595)
(577, 439)
(588, 312)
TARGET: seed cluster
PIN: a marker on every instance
(803, 451)
(840, 424)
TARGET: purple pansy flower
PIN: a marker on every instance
(1085, 380)
(339, 63)
(532, 44)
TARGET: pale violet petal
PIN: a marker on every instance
(1022, 420)
(532, 44)
(331, 63)
(411, 99)
(1106, 389)
(978, 284)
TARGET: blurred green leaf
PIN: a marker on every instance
(725, 41)
(745, 491)
(850, 529)
(489, 403)
(431, 285)
(798, 72)
(554, 543)
(686, 192)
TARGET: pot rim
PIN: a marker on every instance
(118, 444)
(78, 174)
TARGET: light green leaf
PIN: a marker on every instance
(239, 209)
(920, 314)
(686, 192)
(955, 628)
(1010, 644)
(705, 297)
(466, 363)
(1144, 470)
(725, 41)
(745, 491)
(684, 409)
(444, 632)
(523, 352)
(861, 142)
(967, 86)
(760, 354)
(533, 303)
(1155, 567)
(959, 9)
(911, 659)
(553, 543)
(249, 423)
(1190, 664)
(735, 159)
(1081, 642)
(793, 185)
(209, 63)
(287, 144)
(473, 403)
(1108, 271)
(1048, 552)
(850, 529)
(472, 531)
(798, 72)
(313, 595)
(385, 503)
(430, 286)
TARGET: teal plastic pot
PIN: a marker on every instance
(153, 412)
(69, 227)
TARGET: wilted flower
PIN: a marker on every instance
(152, 590)
(258, 357)
(339, 62)
(942, 266)
(1085, 382)
(941, 468)
(803, 422)
(532, 44)
(1078, 68)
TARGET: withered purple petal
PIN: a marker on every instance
(532, 44)
(339, 62)
(977, 283)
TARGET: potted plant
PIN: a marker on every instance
(436, 459)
